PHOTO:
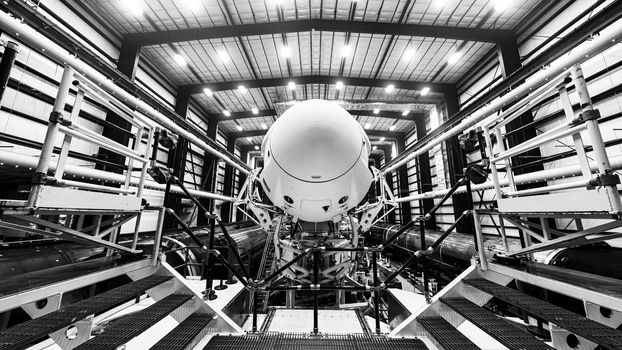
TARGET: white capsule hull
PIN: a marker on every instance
(316, 161)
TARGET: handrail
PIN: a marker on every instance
(36, 40)
(608, 38)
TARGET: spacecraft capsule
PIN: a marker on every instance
(316, 161)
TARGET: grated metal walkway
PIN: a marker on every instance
(29, 332)
(22, 282)
(287, 341)
(448, 337)
(503, 331)
(131, 326)
(186, 334)
(584, 327)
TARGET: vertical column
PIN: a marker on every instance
(208, 174)
(127, 64)
(227, 208)
(11, 50)
(177, 158)
(402, 174)
(456, 159)
(522, 128)
(509, 61)
(424, 174)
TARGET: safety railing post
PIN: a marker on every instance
(209, 262)
(50, 135)
(479, 241)
(158, 236)
(254, 306)
(424, 270)
(374, 257)
(316, 271)
(590, 117)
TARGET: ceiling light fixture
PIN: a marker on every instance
(224, 55)
(180, 60)
(376, 111)
(367, 125)
(501, 5)
(409, 54)
(339, 85)
(382, 139)
(291, 85)
(226, 113)
(424, 91)
(286, 51)
(135, 6)
(208, 92)
(239, 127)
(389, 89)
(255, 110)
(454, 58)
(392, 127)
(193, 5)
(345, 51)
(405, 113)
(249, 139)
(264, 126)
(242, 89)
(374, 148)
(256, 148)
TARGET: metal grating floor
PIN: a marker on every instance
(287, 341)
(584, 327)
(445, 334)
(131, 326)
(29, 332)
(185, 333)
(503, 331)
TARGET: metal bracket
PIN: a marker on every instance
(43, 306)
(39, 179)
(591, 114)
(74, 335)
(605, 180)
(56, 117)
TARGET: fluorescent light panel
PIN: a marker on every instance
(454, 58)
(135, 6)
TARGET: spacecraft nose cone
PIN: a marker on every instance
(316, 141)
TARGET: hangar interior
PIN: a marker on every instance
(166, 174)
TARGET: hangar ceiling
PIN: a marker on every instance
(244, 57)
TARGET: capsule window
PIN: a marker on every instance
(343, 199)
(288, 199)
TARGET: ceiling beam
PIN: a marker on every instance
(248, 133)
(354, 112)
(182, 35)
(442, 88)
(370, 133)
